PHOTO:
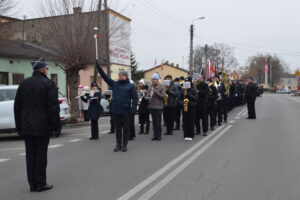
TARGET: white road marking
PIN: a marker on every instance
(179, 169)
(245, 113)
(55, 146)
(3, 160)
(105, 132)
(75, 140)
(237, 117)
(242, 111)
(12, 149)
(163, 170)
(232, 121)
(22, 154)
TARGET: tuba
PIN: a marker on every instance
(185, 101)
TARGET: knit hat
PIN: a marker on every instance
(38, 64)
(155, 76)
(123, 72)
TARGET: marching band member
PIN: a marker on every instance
(170, 105)
(211, 103)
(144, 111)
(93, 98)
(156, 94)
(189, 99)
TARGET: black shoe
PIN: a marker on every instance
(154, 139)
(130, 138)
(212, 128)
(32, 189)
(220, 124)
(111, 132)
(158, 139)
(147, 132)
(124, 149)
(93, 138)
(205, 134)
(197, 133)
(44, 188)
(225, 121)
(171, 133)
(177, 128)
(117, 148)
(167, 133)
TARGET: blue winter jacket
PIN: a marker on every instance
(125, 98)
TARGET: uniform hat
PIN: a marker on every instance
(188, 79)
(155, 76)
(123, 72)
(181, 78)
(38, 64)
(94, 84)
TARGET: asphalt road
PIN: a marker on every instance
(242, 160)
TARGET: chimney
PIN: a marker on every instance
(167, 62)
(172, 64)
(177, 65)
(77, 10)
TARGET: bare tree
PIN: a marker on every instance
(221, 54)
(6, 6)
(256, 65)
(68, 32)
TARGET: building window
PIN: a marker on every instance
(99, 80)
(17, 78)
(3, 78)
(54, 78)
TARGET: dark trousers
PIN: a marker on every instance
(225, 102)
(178, 116)
(251, 109)
(156, 121)
(85, 115)
(189, 122)
(144, 119)
(131, 127)
(212, 118)
(219, 111)
(36, 160)
(169, 117)
(201, 114)
(122, 129)
(95, 128)
(112, 123)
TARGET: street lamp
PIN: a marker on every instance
(191, 69)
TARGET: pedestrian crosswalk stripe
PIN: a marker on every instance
(22, 154)
(3, 160)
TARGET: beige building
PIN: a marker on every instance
(166, 69)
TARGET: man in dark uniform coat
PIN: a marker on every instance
(37, 117)
(201, 113)
(251, 94)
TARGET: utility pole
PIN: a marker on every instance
(99, 25)
(107, 42)
(271, 77)
(24, 21)
(191, 49)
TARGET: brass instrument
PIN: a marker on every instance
(185, 101)
(166, 98)
(227, 85)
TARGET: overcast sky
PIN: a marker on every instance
(160, 28)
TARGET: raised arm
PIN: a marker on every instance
(108, 80)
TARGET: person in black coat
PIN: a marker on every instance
(144, 111)
(94, 111)
(201, 113)
(188, 99)
(170, 105)
(211, 103)
(124, 105)
(178, 107)
(36, 112)
(251, 94)
(221, 99)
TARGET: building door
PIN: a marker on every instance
(3, 78)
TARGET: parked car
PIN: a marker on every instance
(7, 117)
(284, 91)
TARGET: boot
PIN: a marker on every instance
(141, 129)
(118, 148)
(147, 128)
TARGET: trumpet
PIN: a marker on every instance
(185, 101)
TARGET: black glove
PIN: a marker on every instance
(168, 92)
